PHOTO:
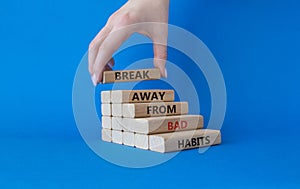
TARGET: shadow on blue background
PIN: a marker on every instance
(256, 44)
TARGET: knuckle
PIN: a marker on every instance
(112, 17)
(126, 19)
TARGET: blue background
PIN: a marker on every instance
(256, 44)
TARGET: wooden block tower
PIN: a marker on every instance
(150, 119)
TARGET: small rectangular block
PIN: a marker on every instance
(117, 123)
(137, 110)
(106, 135)
(106, 122)
(105, 97)
(117, 110)
(106, 109)
(141, 141)
(177, 141)
(117, 136)
(139, 96)
(163, 124)
(130, 75)
(128, 138)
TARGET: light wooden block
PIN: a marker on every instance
(128, 138)
(130, 75)
(177, 141)
(139, 96)
(141, 141)
(117, 110)
(105, 97)
(117, 136)
(106, 135)
(117, 123)
(137, 110)
(163, 124)
(106, 109)
(106, 122)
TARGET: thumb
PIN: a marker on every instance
(160, 57)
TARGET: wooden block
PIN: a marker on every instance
(117, 123)
(117, 110)
(105, 97)
(116, 136)
(106, 122)
(137, 110)
(134, 96)
(164, 124)
(130, 75)
(106, 109)
(106, 135)
(177, 141)
(128, 138)
(141, 141)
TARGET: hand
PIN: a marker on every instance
(120, 26)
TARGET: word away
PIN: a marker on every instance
(148, 96)
(141, 96)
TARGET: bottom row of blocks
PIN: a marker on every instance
(166, 142)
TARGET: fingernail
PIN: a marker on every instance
(166, 73)
(94, 79)
(110, 65)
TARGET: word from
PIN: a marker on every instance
(163, 109)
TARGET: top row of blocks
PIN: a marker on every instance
(131, 75)
(136, 96)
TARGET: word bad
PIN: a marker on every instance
(188, 143)
(132, 75)
(177, 125)
(149, 96)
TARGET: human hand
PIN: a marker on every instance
(120, 26)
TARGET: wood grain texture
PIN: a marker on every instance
(128, 138)
(106, 109)
(141, 96)
(163, 124)
(117, 123)
(117, 110)
(117, 136)
(130, 75)
(105, 97)
(106, 122)
(138, 110)
(141, 141)
(177, 141)
(106, 135)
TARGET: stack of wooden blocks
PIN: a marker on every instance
(150, 119)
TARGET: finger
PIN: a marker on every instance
(94, 46)
(108, 67)
(160, 57)
(106, 50)
(159, 36)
